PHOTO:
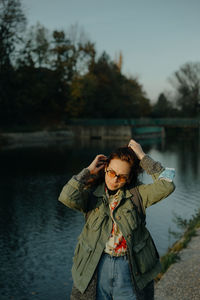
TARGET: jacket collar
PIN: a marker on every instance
(100, 191)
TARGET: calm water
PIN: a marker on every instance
(38, 233)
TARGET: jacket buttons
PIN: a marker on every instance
(96, 209)
(118, 218)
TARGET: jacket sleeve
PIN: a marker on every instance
(162, 185)
(74, 194)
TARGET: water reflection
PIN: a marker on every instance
(38, 234)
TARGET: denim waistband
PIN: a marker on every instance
(115, 257)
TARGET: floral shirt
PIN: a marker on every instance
(116, 244)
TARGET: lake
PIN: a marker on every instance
(38, 234)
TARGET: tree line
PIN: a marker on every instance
(48, 76)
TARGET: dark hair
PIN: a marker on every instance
(128, 155)
(124, 154)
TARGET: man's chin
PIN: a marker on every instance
(113, 187)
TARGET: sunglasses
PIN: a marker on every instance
(112, 174)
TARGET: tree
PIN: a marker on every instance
(12, 23)
(37, 96)
(65, 56)
(163, 107)
(36, 48)
(136, 104)
(85, 48)
(82, 96)
(71, 57)
(187, 84)
(105, 93)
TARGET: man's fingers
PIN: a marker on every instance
(99, 167)
(100, 157)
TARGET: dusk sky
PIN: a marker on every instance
(155, 37)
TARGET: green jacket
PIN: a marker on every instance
(143, 257)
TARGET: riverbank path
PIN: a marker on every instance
(182, 279)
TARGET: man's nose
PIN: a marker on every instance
(116, 179)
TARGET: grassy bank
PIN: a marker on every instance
(172, 255)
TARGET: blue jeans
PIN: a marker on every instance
(114, 279)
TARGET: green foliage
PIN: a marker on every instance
(12, 24)
(35, 50)
(57, 75)
(105, 93)
(190, 227)
(190, 224)
(168, 259)
(187, 84)
(163, 108)
(187, 236)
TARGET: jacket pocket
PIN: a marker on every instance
(95, 220)
(130, 217)
(145, 254)
(81, 256)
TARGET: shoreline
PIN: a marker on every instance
(181, 281)
(35, 138)
(181, 278)
(66, 135)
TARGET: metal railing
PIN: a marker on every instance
(166, 122)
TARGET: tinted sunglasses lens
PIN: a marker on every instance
(111, 173)
(122, 179)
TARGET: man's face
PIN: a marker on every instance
(117, 174)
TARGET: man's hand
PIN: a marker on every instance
(97, 164)
(136, 148)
